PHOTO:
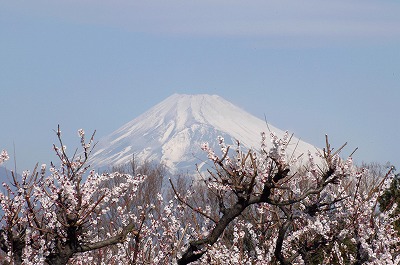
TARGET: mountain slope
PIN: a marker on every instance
(5, 175)
(173, 131)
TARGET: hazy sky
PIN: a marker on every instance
(312, 67)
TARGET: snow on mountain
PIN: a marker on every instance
(173, 131)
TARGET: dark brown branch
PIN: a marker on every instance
(119, 238)
(190, 206)
(197, 248)
(279, 243)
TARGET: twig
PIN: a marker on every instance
(190, 206)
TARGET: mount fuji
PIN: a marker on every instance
(173, 131)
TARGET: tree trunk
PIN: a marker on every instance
(59, 258)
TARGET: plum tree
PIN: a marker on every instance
(258, 206)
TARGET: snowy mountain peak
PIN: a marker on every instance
(173, 131)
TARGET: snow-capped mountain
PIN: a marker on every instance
(174, 130)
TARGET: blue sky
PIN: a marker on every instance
(312, 67)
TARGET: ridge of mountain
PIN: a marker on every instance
(173, 131)
(6, 175)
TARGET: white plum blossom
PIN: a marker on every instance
(254, 207)
(3, 156)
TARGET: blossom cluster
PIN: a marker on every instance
(254, 207)
(3, 156)
(323, 211)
